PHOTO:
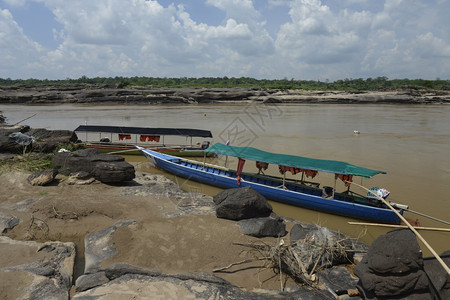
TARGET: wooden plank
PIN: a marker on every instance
(399, 226)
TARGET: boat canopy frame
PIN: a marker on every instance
(328, 166)
(145, 130)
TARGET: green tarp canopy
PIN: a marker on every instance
(330, 166)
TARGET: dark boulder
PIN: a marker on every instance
(49, 140)
(241, 203)
(393, 268)
(8, 145)
(42, 177)
(6, 130)
(300, 231)
(14, 139)
(263, 227)
(103, 167)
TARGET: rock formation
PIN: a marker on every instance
(103, 167)
(105, 94)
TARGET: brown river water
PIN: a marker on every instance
(410, 142)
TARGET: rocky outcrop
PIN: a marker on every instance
(17, 139)
(394, 268)
(103, 167)
(241, 203)
(192, 286)
(35, 270)
(49, 140)
(105, 94)
(98, 246)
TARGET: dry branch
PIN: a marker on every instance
(302, 258)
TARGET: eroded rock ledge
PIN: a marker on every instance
(105, 94)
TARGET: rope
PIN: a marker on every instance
(399, 226)
(439, 259)
(424, 215)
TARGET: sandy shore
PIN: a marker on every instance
(165, 237)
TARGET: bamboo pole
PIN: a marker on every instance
(410, 227)
(17, 123)
(400, 226)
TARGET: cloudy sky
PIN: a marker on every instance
(272, 39)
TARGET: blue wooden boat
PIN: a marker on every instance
(300, 193)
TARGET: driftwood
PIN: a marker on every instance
(65, 215)
(301, 259)
(36, 223)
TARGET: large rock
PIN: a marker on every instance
(7, 144)
(103, 167)
(30, 270)
(393, 267)
(241, 203)
(43, 141)
(49, 140)
(263, 227)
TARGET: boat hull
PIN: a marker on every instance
(131, 150)
(223, 178)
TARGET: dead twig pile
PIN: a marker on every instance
(64, 215)
(302, 259)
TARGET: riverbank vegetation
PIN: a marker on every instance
(28, 162)
(370, 84)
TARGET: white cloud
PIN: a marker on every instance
(316, 41)
(350, 44)
(18, 54)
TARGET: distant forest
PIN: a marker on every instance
(369, 84)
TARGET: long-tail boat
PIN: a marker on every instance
(300, 193)
(123, 139)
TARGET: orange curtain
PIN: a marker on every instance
(124, 136)
(150, 138)
(309, 173)
(262, 165)
(347, 179)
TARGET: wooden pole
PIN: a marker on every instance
(410, 227)
(399, 226)
(17, 123)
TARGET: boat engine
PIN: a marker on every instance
(383, 193)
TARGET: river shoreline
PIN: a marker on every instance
(86, 94)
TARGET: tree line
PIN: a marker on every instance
(369, 84)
